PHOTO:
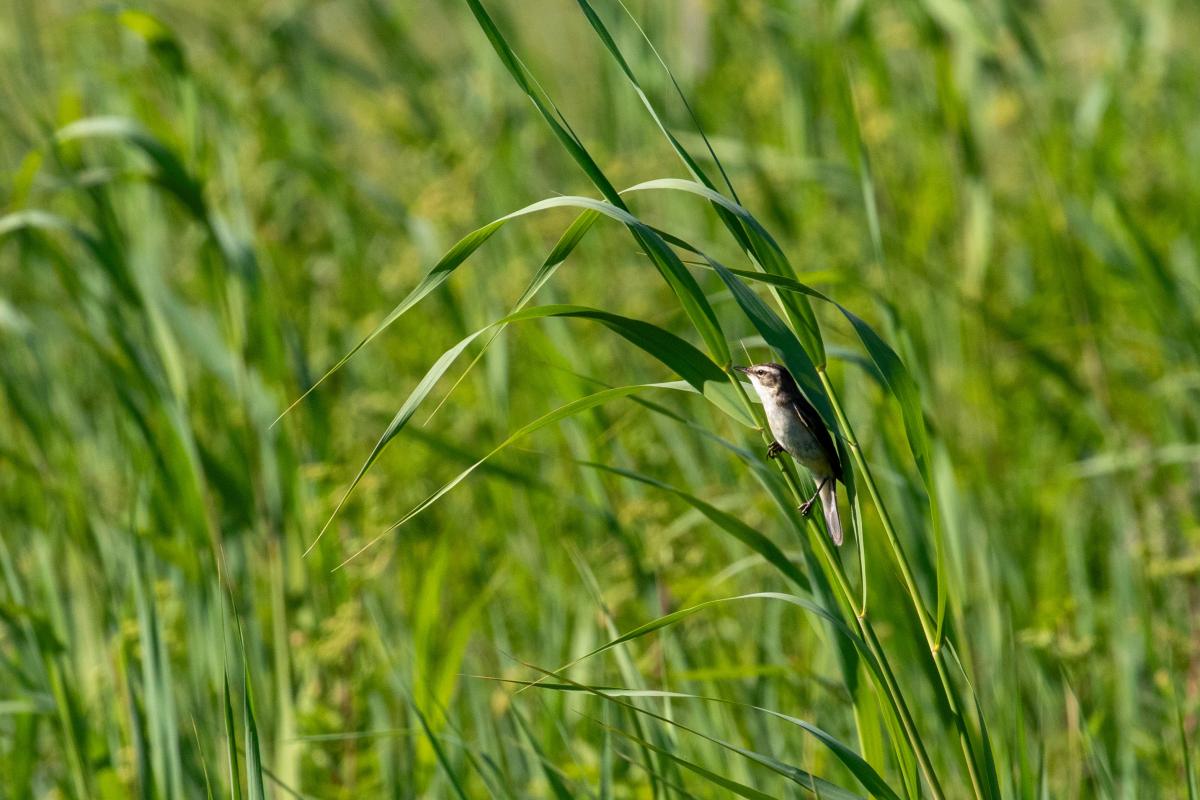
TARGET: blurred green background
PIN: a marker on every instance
(206, 205)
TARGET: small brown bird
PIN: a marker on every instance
(798, 430)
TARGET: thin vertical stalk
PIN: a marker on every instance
(949, 692)
(835, 570)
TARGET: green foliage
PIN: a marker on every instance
(236, 242)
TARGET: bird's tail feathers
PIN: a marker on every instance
(833, 519)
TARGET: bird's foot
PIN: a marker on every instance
(806, 507)
(774, 449)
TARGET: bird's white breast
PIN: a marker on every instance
(791, 432)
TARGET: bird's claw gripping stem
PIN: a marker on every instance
(807, 506)
(774, 449)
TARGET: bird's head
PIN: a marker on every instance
(766, 376)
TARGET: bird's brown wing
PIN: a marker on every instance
(812, 420)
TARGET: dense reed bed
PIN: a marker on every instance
(367, 425)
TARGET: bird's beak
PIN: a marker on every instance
(745, 370)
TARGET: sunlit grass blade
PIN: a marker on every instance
(254, 760)
(687, 105)
(231, 748)
(609, 44)
(728, 784)
(753, 238)
(208, 789)
(677, 616)
(440, 752)
(768, 254)
(983, 754)
(730, 222)
(806, 780)
(669, 265)
(675, 353)
(450, 262)
(570, 409)
(862, 770)
(694, 303)
(660, 774)
(748, 536)
(904, 390)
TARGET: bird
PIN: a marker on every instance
(800, 432)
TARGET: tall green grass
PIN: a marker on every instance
(367, 426)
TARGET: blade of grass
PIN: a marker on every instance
(694, 303)
(748, 536)
(804, 779)
(563, 412)
(675, 353)
(728, 784)
(557, 786)
(858, 766)
(231, 749)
